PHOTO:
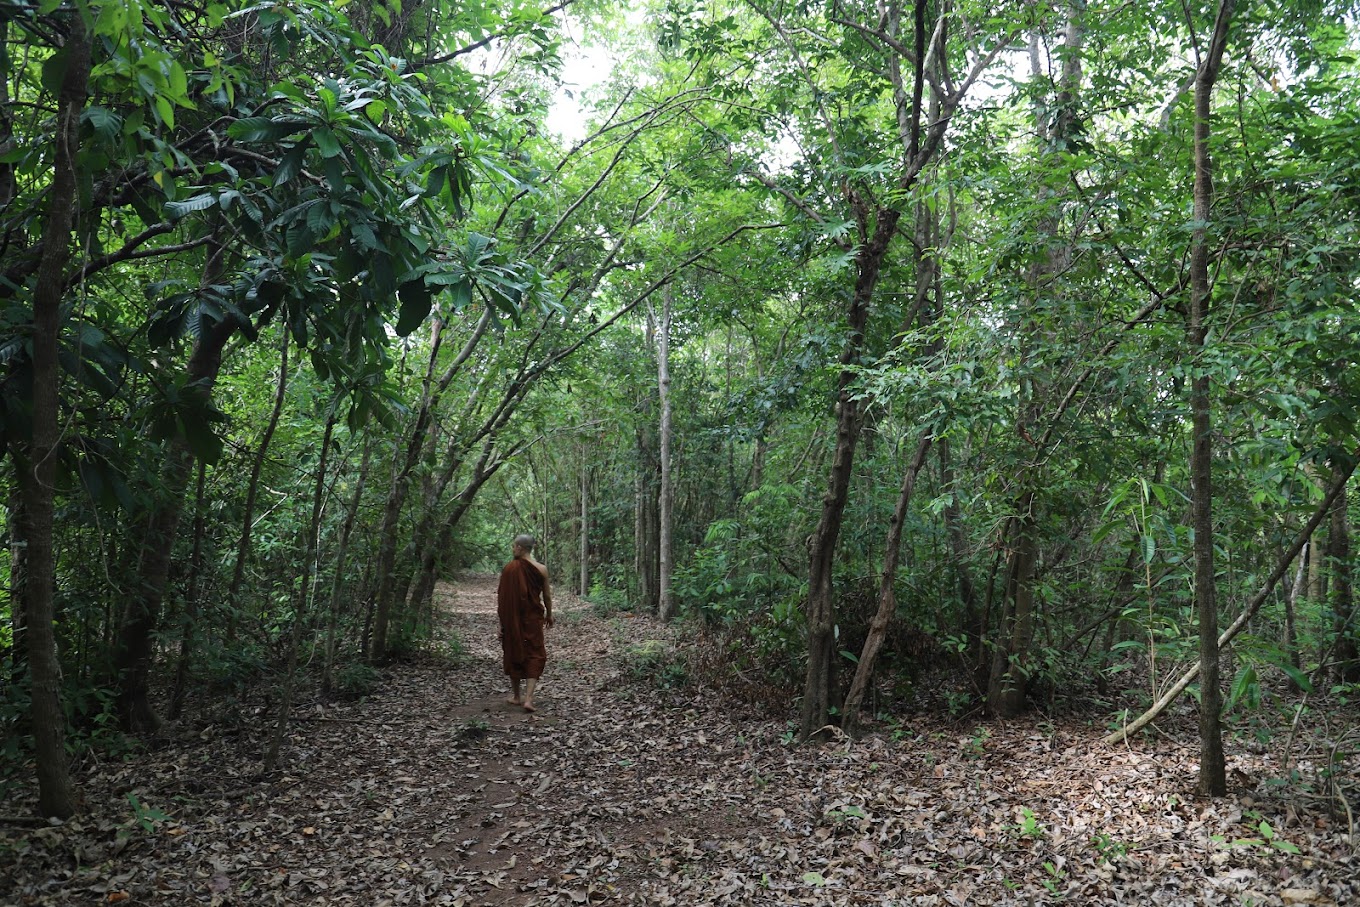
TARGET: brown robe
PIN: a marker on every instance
(519, 603)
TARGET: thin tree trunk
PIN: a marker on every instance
(304, 595)
(396, 500)
(972, 616)
(645, 523)
(1008, 681)
(1342, 597)
(238, 573)
(1213, 781)
(341, 561)
(18, 594)
(585, 523)
(486, 467)
(1228, 635)
(666, 607)
(136, 649)
(391, 591)
(1291, 601)
(37, 468)
(887, 595)
(190, 619)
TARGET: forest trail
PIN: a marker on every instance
(434, 791)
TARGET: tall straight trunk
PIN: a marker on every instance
(665, 495)
(1342, 597)
(819, 685)
(189, 621)
(1213, 780)
(134, 649)
(1007, 683)
(18, 595)
(1290, 642)
(645, 518)
(341, 561)
(238, 573)
(887, 594)
(971, 623)
(302, 600)
(584, 584)
(37, 466)
(925, 239)
(1056, 125)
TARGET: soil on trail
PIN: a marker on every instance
(620, 790)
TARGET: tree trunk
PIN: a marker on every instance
(1008, 681)
(971, 625)
(887, 595)
(341, 559)
(238, 573)
(302, 600)
(666, 600)
(135, 651)
(584, 584)
(819, 686)
(37, 467)
(487, 465)
(396, 500)
(645, 522)
(189, 620)
(1291, 602)
(18, 594)
(1342, 597)
(1213, 780)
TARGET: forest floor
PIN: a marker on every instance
(433, 790)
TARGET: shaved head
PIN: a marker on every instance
(525, 541)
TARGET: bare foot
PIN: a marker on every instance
(529, 706)
(513, 702)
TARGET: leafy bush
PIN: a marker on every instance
(356, 678)
(655, 662)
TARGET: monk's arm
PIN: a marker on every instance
(547, 597)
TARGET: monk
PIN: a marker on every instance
(524, 604)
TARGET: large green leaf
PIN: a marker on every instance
(265, 129)
(416, 301)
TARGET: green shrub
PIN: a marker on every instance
(356, 678)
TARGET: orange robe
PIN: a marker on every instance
(519, 604)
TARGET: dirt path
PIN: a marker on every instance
(434, 791)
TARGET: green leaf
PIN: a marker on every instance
(291, 165)
(1299, 678)
(814, 878)
(462, 295)
(165, 110)
(319, 219)
(176, 210)
(416, 301)
(105, 123)
(265, 129)
(326, 142)
(53, 71)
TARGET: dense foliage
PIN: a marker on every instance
(335, 313)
